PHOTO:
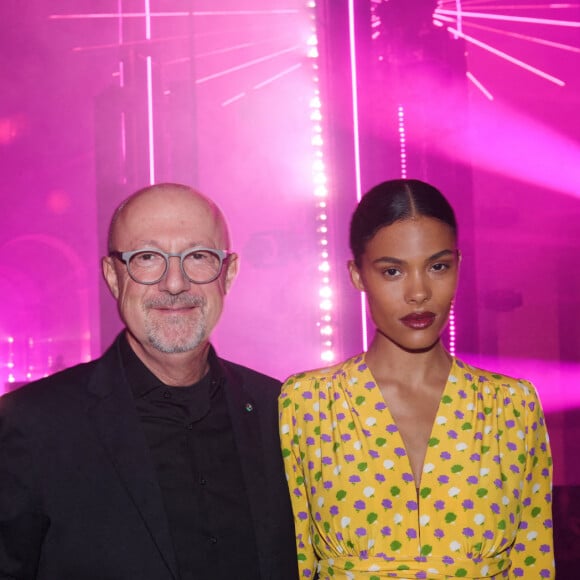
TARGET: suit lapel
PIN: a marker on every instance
(247, 433)
(112, 413)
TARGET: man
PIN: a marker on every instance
(159, 460)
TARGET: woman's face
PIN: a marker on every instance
(409, 271)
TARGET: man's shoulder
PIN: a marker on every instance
(48, 386)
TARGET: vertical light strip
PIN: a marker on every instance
(452, 331)
(122, 84)
(356, 139)
(326, 319)
(402, 141)
(150, 97)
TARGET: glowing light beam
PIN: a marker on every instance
(506, 18)
(507, 57)
(246, 64)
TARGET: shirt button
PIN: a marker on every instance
(249, 407)
(166, 395)
(202, 481)
(189, 426)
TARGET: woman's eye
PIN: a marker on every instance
(391, 272)
(439, 267)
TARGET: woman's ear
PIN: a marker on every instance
(355, 276)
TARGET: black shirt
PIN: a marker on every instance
(193, 448)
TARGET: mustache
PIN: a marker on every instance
(186, 301)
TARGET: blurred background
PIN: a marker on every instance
(285, 111)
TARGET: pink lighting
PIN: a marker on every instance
(507, 57)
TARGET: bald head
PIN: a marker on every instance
(167, 202)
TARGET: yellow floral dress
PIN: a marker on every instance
(483, 509)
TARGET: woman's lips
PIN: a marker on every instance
(419, 320)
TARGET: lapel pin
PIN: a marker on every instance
(249, 407)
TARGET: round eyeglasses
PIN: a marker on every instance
(199, 265)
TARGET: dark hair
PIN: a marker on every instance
(393, 201)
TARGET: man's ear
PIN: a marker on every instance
(110, 275)
(355, 276)
(232, 266)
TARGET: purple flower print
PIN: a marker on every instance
(340, 416)
(380, 406)
(488, 535)
(519, 547)
(545, 573)
(307, 395)
(336, 396)
(459, 414)
(544, 548)
(439, 505)
(412, 506)
(302, 516)
(386, 531)
(339, 536)
(328, 485)
(510, 423)
(354, 479)
(370, 385)
(391, 428)
(349, 457)
(462, 394)
(366, 432)
(387, 504)
(374, 453)
(445, 455)
(472, 479)
(443, 479)
(360, 532)
(334, 510)
(467, 504)
(359, 504)
(468, 532)
(498, 483)
(495, 508)
(400, 452)
(310, 441)
(346, 437)
(362, 367)
(452, 434)
(326, 461)
(475, 457)
(448, 560)
(380, 477)
(297, 492)
(308, 417)
(326, 438)
(323, 415)
(439, 533)
(411, 533)
(408, 477)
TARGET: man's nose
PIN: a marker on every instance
(174, 280)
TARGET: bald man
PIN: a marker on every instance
(159, 460)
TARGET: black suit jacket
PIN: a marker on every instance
(79, 498)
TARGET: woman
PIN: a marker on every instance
(404, 462)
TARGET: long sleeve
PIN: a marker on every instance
(22, 526)
(533, 552)
(290, 442)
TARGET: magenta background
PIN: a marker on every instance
(249, 146)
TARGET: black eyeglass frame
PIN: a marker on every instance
(125, 257)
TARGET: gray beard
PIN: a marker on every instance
(176, 335)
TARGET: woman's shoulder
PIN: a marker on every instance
(484, 378)
(325, 374)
